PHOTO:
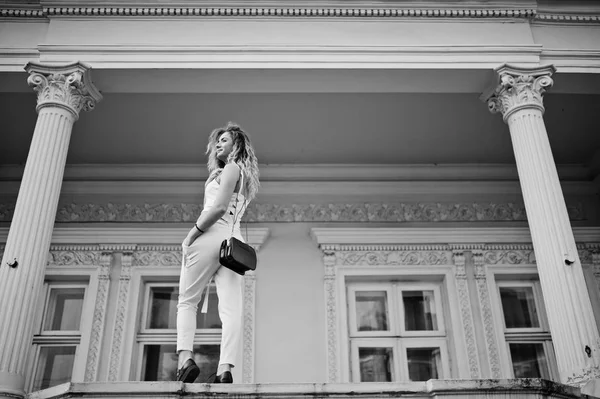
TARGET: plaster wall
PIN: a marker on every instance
(289, 32)
(22, 34)
(567, 36)
(290, 307)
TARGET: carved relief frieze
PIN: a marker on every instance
(460, 273)
(256, 212)
(74, 256)
(157, 258)
(93, 359)
(509, 257)
(486, 312)
(375, 258)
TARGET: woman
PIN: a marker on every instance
(231, 185)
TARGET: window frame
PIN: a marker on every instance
(515, 276)
(70, 276)
(143, 336)
(398, 338)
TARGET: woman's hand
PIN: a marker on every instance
(192, 236)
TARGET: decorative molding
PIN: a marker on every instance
(332, 212)
(73, 256)
(157, 258)
(69, 86)
(256, 11)
(486, 313)
(122, 302)
(331, 314)
(371, 247)
(93, 359)
(390, 258)
(249, 317)
(22, 12)
(519, 88)
(119, 238)
(567, 17)
(473, 237)
(460, 274)
(509, 257)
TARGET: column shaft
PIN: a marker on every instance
(29, 236)
(62, 93)
(569, 308)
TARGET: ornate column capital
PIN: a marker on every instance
(67, 86)
(518, 88)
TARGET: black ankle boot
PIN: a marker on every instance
(225, 378)
(188, 372)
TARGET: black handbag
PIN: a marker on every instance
(235, 254)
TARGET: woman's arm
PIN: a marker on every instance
(229, 179)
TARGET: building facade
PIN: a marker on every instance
(428, 209)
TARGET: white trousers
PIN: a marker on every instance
(200, 264)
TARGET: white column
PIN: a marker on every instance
(518, 96)
(62, 93)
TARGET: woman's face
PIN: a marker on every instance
(224, 146)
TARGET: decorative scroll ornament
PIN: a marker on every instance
(519, 88)
(375, 258)
(68, 87)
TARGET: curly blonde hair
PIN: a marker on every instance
(242, 154)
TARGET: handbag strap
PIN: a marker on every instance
(236, 214)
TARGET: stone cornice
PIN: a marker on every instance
(121, 239)
(307, 10)
(254, 10)
(430, 236)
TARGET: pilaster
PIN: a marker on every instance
(518, 95)
(93, 358)
(329, 260)
(114, 372)
(460, 275)
(487, 314)
(62, 92)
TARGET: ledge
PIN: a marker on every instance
(521, 388)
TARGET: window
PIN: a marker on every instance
(526, 329)
(396, 332)
(58, 335)
(157, 334)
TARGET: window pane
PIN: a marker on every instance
(529, 360)
(371, 311)
(423, 363)
(160, 362)
(419, 311)
(64, 309)
(162, 312)
(375, 364)
(519, 307)
(55, 366)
